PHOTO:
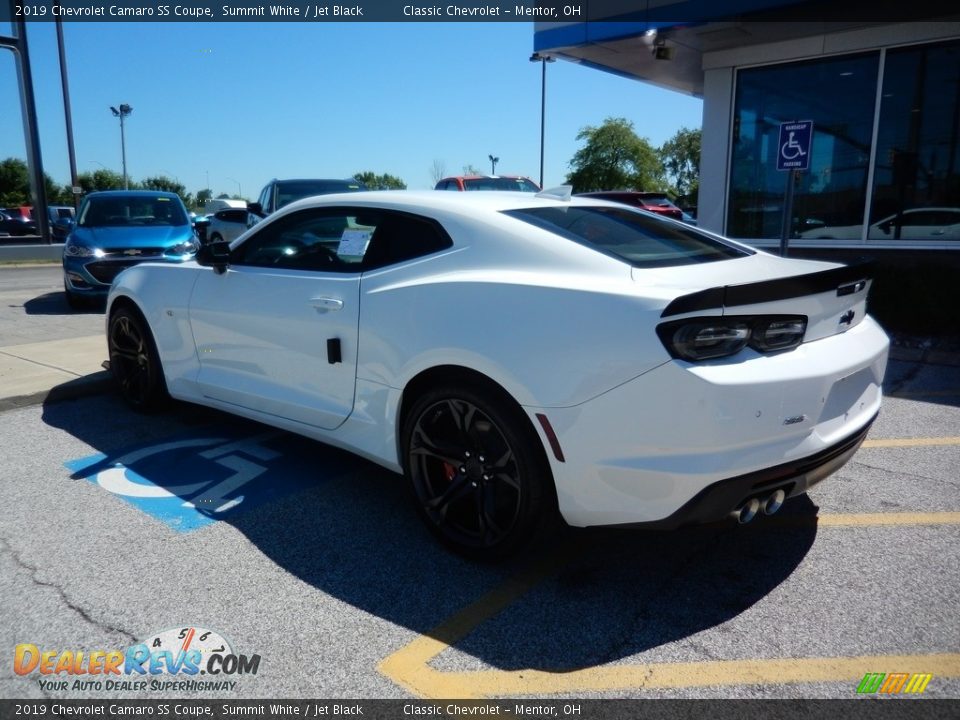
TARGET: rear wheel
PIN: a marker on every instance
(477, 471)
(134, 361)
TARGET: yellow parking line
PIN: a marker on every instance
(656, 676)
(910, 442)
(880, 519)
(409, 667)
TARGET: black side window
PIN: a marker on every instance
(401, 236)
(327, 240)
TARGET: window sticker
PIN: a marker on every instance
(353, 243)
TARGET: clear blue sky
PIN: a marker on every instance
(247, 102)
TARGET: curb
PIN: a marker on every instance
(96, 383)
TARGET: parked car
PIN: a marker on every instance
(118, 229)
(929, 223)
(226, 225)
(655, 202)
(15, 227)
(280, 193)
(460, 183)
(18, 221)
(513, 355)
(61, 221)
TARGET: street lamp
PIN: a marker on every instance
(123, 112)
(239, 191)
(543, 60)
(493, 164)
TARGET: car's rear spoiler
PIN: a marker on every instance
(845, 280)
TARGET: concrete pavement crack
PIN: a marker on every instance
(904, 473)
(34, 572)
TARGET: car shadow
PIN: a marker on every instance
(55, 303)
(349, 529)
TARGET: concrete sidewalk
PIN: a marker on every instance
(53, 370)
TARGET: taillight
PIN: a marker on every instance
(715, 337)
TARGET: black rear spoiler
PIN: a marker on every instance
(845, 280)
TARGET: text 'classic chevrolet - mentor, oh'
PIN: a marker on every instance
(517, 355)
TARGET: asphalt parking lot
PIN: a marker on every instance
(121, 526)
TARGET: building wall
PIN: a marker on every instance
(720, 89)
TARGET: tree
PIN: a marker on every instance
(681, 158)
(203, 196)
(380, 182)
(15, 185)
(471, 170)
(615, 157)
(438, 171)
(102, 179)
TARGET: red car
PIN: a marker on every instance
(517, 183)
(655, 202)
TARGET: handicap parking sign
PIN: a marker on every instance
(794, 145)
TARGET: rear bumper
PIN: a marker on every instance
(717, 501)
(687, 442)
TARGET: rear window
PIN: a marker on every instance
(635, 237)
(500, 183)
(289, 191)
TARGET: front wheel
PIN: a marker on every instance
(134, 361)
(477, 470)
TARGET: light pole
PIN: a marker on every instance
(122, 113)
(543, 60)
(493, 164)
(239, 191)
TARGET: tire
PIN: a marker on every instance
(477, 471)
(134, 361)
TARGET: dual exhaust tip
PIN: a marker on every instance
(768, 505)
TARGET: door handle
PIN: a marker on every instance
(326, 304)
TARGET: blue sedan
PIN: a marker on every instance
(120, 228)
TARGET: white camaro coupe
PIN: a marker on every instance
(516, 355)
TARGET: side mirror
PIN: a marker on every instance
(215, 255)
(256, 208)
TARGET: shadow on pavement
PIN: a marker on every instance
(347, 528)
(55, 303)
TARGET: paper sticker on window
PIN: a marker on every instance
(353, 243)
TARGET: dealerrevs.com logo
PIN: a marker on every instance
(181, 653)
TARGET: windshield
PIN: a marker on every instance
(289, 191)
(132, 210)
(500, 183)
(636, 237)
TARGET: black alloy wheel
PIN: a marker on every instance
(134, 361)
(477, 472)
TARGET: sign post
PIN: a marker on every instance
(793, 155)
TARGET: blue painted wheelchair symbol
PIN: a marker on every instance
(794, 145)
(192, 482)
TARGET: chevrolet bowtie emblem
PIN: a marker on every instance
(131, 251)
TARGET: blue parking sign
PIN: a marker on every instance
(794, 145)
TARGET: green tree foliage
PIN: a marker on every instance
(681, 158)
(380, 182)
(614, 157)
(102, 179)
(165, 184)
(15, 185)
(203, 196)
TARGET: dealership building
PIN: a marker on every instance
(882, 92)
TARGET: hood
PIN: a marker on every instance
(135, 236)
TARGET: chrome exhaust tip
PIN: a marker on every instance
(774, 502)
(747, 512)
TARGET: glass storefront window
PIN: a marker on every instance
(916, 189)
(839, 96)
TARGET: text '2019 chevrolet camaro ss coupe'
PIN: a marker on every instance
(516, 355)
